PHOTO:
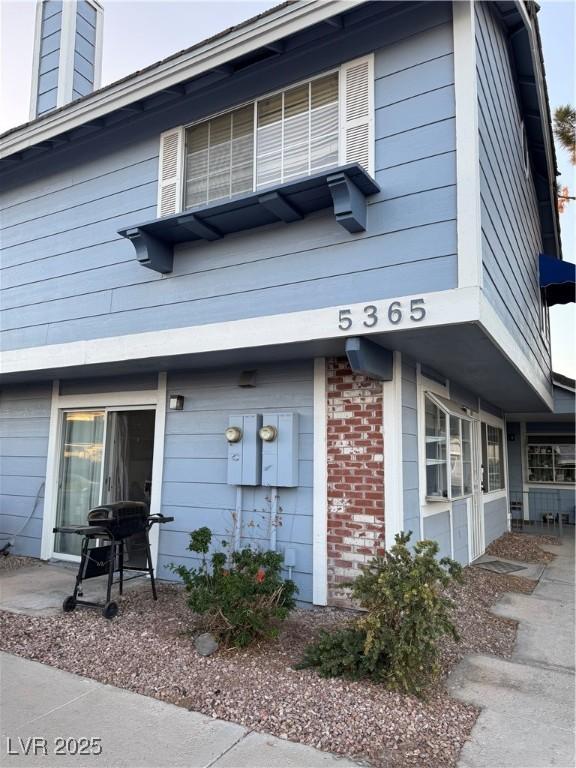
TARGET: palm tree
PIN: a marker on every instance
(565, 129)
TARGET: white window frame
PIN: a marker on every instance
(149, 399)
(543, 483)
(452, 410)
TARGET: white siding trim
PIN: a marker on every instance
(393, 453)
(36, 61)
(467, 145)
(66, 61)
(158, 464)
(458, 305)
(320, 491)
(51, 487)
(98, 45)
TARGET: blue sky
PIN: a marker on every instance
(137, 33)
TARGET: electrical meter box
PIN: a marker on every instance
(280, 455)
(244, 455)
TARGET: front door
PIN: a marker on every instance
(105, 456)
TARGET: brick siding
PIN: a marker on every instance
(355, 443)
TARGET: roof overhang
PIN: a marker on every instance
(211, 55)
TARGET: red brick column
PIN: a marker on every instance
(355, 443)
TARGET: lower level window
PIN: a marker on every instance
(448, 452)
(551, 459)
(492, 459)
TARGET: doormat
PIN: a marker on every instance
(497, 566)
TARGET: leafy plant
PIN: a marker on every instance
(396, 640)
(240, 596)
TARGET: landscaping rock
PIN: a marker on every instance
(206, 644)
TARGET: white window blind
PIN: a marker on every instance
(170, 172)
(220, 157)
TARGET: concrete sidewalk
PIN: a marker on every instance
(135, 731)
(527, 718)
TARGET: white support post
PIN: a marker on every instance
(320, 497)
(158, 464)
(51, 487)
(393, 452)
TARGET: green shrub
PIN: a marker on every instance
(396, 640)
(240, 596)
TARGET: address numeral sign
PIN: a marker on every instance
(370, 315)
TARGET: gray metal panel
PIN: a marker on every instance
(511, 239)
(69, 210)
(495, 519)
(24, 427)
(195, 490)
(437, 528)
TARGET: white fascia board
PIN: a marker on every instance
(543, 107)
(459, 305)
(263, 31)
(443, 308)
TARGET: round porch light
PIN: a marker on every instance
(268, 433)
(233, 434)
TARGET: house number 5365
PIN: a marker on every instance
(394, 314)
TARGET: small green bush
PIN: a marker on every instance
(396, 640)
(240, 596)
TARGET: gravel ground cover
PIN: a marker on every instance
(148, 649)
(11, 562)
(522, 547)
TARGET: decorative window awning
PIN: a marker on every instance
(557, 280)
(345, 188)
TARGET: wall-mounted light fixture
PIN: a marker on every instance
(268, 433)
(233, 434)
(176, 402)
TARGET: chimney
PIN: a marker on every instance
(67, 53)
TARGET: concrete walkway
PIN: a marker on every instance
(135, 731)
(527, 718)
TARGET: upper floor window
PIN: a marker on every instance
(492, 458)
(448, 451)
(551, 459)
(308, 128)
(290, 134)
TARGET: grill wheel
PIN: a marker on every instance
(110, 610)
(69, 604)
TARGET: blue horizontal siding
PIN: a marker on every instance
(194, 489)
(511, 239)
(69, 276)
(24, 428)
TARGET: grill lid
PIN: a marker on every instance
(118, 512)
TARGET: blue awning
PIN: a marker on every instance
(557, 280)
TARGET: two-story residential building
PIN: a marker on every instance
(284, 283)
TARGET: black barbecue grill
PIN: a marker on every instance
(115, 539)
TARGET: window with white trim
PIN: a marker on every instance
(448, 440)
(492, 458)
(310, 127)
(551, 459)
